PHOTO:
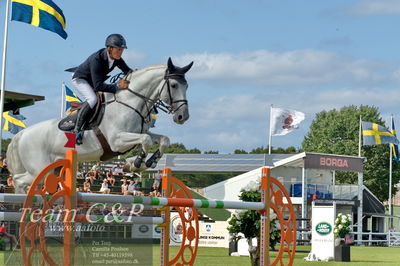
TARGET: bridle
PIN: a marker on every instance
(155, 104)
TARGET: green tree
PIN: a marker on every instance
(4, 145)
(238, 151)
(337, 132)
(211, 152)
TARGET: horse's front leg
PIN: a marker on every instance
(163, 142)
(125, 140)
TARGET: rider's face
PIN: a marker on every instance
(115, 53)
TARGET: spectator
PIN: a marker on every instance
(137, 187)
(91, 177)
(2, 190)
(110, 177)
(10, 182)
(96, 169)
(4, 236)
(86, 185)
(124, 188)
(79, 175)
(117, 170)
(157, 179)
(155, 192)
(104, 187)
(131, 187)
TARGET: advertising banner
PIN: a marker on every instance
(323, 239)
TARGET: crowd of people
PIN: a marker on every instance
(115, 180)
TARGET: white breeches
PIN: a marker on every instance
(86, 91)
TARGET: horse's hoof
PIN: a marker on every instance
(150, 163)
(137, 163)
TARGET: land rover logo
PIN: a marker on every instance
(323, 228)
(157, 229)
(143, 228)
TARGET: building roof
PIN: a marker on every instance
(248, 162)
(14, 100)
(218, 162)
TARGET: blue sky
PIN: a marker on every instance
(307, 55)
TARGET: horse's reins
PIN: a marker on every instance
(167, 108)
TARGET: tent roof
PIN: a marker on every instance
(218, 162)
(14, 100)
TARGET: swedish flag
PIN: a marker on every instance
(376, 134)
(70, 97)
(394, 147)
(40, 13)
(13, 122)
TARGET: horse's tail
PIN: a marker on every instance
(14, 165)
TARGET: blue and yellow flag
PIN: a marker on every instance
(394, 147)
(70, 97)
(13, 122)
(40, 13)
(376, 134)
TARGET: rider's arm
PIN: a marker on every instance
(123, 66)
(96, 72)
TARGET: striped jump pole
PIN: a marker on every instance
(147, 201)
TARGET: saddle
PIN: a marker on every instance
(96, 115)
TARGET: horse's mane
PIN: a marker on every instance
(147, 68)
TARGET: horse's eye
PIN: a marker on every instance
(174, 86)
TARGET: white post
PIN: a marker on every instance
(62, 100)
(360, 208)
(390, 174)
(359, 139)
(3, 69)
(333, 184)
(303, 200)
(270, 131)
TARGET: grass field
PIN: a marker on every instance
(219, 256)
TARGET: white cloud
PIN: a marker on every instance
(241, 121)
(375, 7)
(134, 57)
(292, 68)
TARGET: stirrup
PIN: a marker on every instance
(79, 138)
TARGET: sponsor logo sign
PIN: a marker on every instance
(323, 228)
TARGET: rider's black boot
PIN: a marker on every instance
(80, 120)
(82, 115)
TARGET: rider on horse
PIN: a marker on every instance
(90, 76)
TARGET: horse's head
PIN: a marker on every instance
(174, 91)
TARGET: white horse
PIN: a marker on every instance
(125, 125)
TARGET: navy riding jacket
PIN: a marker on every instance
(95, 69)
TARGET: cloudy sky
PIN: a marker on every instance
(307, 55)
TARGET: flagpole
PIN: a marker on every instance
(359, 139)
(3, 68)
(62, 99)
(390, 170)
(270, 131)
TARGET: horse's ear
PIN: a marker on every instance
(186, 68)
(170, 65)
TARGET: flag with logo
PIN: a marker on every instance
(284, 121)
(70, 97)
(13, 122)
(40, 13)
(394, 147)
(374, 134)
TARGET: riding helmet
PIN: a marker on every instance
(116, 40)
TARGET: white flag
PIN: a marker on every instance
(284, 121)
